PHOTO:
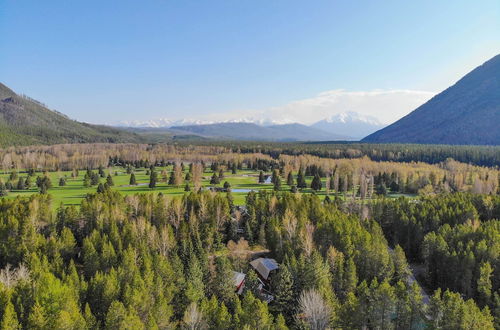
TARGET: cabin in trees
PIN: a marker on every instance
(264, 268)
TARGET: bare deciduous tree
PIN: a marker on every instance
(314, 310)
(10, 276)
(193, 318)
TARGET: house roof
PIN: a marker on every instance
(264, 266)
(238, 278)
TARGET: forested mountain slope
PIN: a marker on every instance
(24, 121)
(466, 113)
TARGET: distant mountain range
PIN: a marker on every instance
(250, 131)
(344, 126)
(465, 113)
(25, 121)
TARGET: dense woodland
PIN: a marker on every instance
(153, 261)
(432, 154)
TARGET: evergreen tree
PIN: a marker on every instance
(484, 285)
(381, 189)
(214, 179)
(100, 188)
(3, 189)
(277, 184)
(282, 287)
(109, 180)
(20, 184)
(9, 319)
(153, 179)
(301, 181)
(119, 318)
(86, 181)
(27, 182)
(132, 180)
(316, 183)
(261, 177)
(101, 172)
(252, 283)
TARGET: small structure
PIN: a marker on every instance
(239, 281)
(264, 267)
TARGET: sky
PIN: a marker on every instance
(111, 61)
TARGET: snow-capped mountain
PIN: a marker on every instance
(162, 122)
(166, 122)
(350, 124)
(347, 124)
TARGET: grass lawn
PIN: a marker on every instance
(74, 191)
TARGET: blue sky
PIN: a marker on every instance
(106, 61)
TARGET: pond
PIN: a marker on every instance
(241, 190)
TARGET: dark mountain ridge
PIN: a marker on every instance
(467, 113)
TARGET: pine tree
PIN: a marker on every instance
(301, 181)
(119, 318)
(109, 180)
(3, 189)
(261, 177)
(86, 181)
(20, 184)
(252, 283)
(214, 179)
(282, 287)
(27, 182)
(484, 285)
(316, 183)
(153, 179)
(9, 320)
(195, 286)
(94, 179)
(277, 183)
(132, 180)
(101, 171)
(100, 188)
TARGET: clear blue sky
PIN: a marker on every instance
(103, 61)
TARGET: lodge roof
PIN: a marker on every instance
(264, 266)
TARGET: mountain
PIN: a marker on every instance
(25, 121)
(167, 122)
(251, 131)
(349, 123)
(344, 126)
(465, 113)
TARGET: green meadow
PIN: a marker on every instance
(74, 190)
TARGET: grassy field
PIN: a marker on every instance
(74, 191)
